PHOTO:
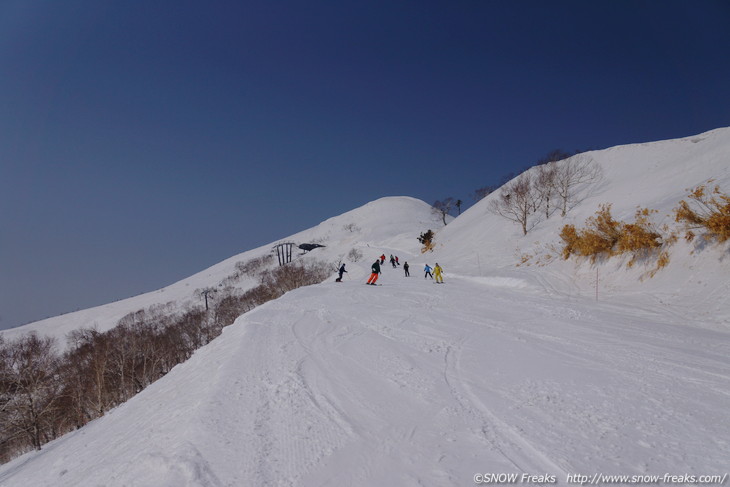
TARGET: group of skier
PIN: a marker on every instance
(375, 270)
(393, 260)
(437, 274)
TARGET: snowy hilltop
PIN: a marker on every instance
(394, 219)
(521, 363)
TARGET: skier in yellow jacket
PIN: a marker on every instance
(437, 273)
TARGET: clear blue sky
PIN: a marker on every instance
(141, 142)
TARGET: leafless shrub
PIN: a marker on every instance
(354, 255)
(292, 276)
(255, 265)
(249, 268)
(351, 227)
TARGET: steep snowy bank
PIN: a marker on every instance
(654, 175)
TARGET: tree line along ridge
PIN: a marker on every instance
(45, 394)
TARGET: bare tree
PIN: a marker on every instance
(481, 193)
(94, 351)
(571, 175)
(7, 445)
(195, 333)
(5, 386)
(75, 378)
(43, 395)
(29, 372)
(147, 358)
(516, 201)
(444, 207)
(354, 255)
(554, 155)
(545, 180)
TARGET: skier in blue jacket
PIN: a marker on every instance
(427, 270)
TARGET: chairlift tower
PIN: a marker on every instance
(283, 252)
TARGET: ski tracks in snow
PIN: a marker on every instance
(498, 434)
(415, 384)
(371, 367)
(290, 427)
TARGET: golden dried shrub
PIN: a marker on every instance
(708, 211)
(639, 238)
(603, 235)
(569, 235)
(599, 237)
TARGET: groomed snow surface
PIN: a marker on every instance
(413, 383)
(499, 370)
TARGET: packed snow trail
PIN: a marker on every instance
(413, 383)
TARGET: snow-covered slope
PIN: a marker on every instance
(502, 369)
(392, 223)
(654, 175)
(414, 383)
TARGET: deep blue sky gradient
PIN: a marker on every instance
(141, 142)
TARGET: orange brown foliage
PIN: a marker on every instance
(603, 235)
(708, 210)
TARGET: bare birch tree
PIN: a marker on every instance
(443, 207)
(481, 193)
(571, 175)
(29, 371)
(545, 181)
(516, 201)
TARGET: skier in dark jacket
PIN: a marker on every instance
(341, 271)
(405, 268)
(376, 270)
